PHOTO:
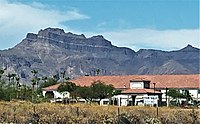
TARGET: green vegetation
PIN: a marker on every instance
(11, 88)
(176, 95)
(98, 90)
(67, 86)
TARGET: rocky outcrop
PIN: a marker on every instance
(52, 51)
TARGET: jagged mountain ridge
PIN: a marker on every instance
(52, 51)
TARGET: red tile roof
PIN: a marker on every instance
(161, 81)
(140, 91)
(51, 88)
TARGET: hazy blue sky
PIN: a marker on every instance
(158, 24)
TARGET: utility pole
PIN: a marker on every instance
(154, 87)
(198, 91)
(166, 96)
(154, 93)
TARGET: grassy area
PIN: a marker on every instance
(26, 112)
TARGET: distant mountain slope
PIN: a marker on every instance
(52, 51)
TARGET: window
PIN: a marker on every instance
(146, 85)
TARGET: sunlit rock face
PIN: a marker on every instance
(52, 51)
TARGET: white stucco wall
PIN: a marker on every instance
(123, 99)
(163, 95)
(193, 93)
(58, 95)
(43, 93)
(136, 85)
(61, 95)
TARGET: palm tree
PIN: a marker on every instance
(17, 81)
(67, 78)
(34, 82)
(17, 85)
(35, 79)
(33, 87)
(55, 77)
(98, 71)
(37, 83)
(13, 79)
(9, 77)
(34, 72)
(63, 75)
(44, 79)
(1, 73)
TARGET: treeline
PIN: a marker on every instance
(12, 88)
(96, 91)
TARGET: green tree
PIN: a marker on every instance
(34, 80)
(37, 83)
(25, 93)
(17, 81)
(44, 79)
(17, 86)
(98, 71)
(116, 92)
(3, 94)
(9, 77)
(1, 73)
(34, 72)
(100, 90)
(63, 76)
(83, 92)
(68, 86)
(13, 76)
(176, 95)
(48, 82)
(55, 77)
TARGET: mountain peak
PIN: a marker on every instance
(57, 32)
(31, 36)
(53, 50)
(189, 48)
(54, 30)
(58, 36)
(98, 37)
(71, 35)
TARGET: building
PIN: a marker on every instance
(138, 89)
(52, 93)
(138, 93)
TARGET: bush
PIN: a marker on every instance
(26, 112)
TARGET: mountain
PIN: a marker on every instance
(52, 51)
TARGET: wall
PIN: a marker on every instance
(125, 98)
(136, 85)
(122, 99)
(193, 93)
(58, 95)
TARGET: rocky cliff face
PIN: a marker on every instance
(52, 51)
